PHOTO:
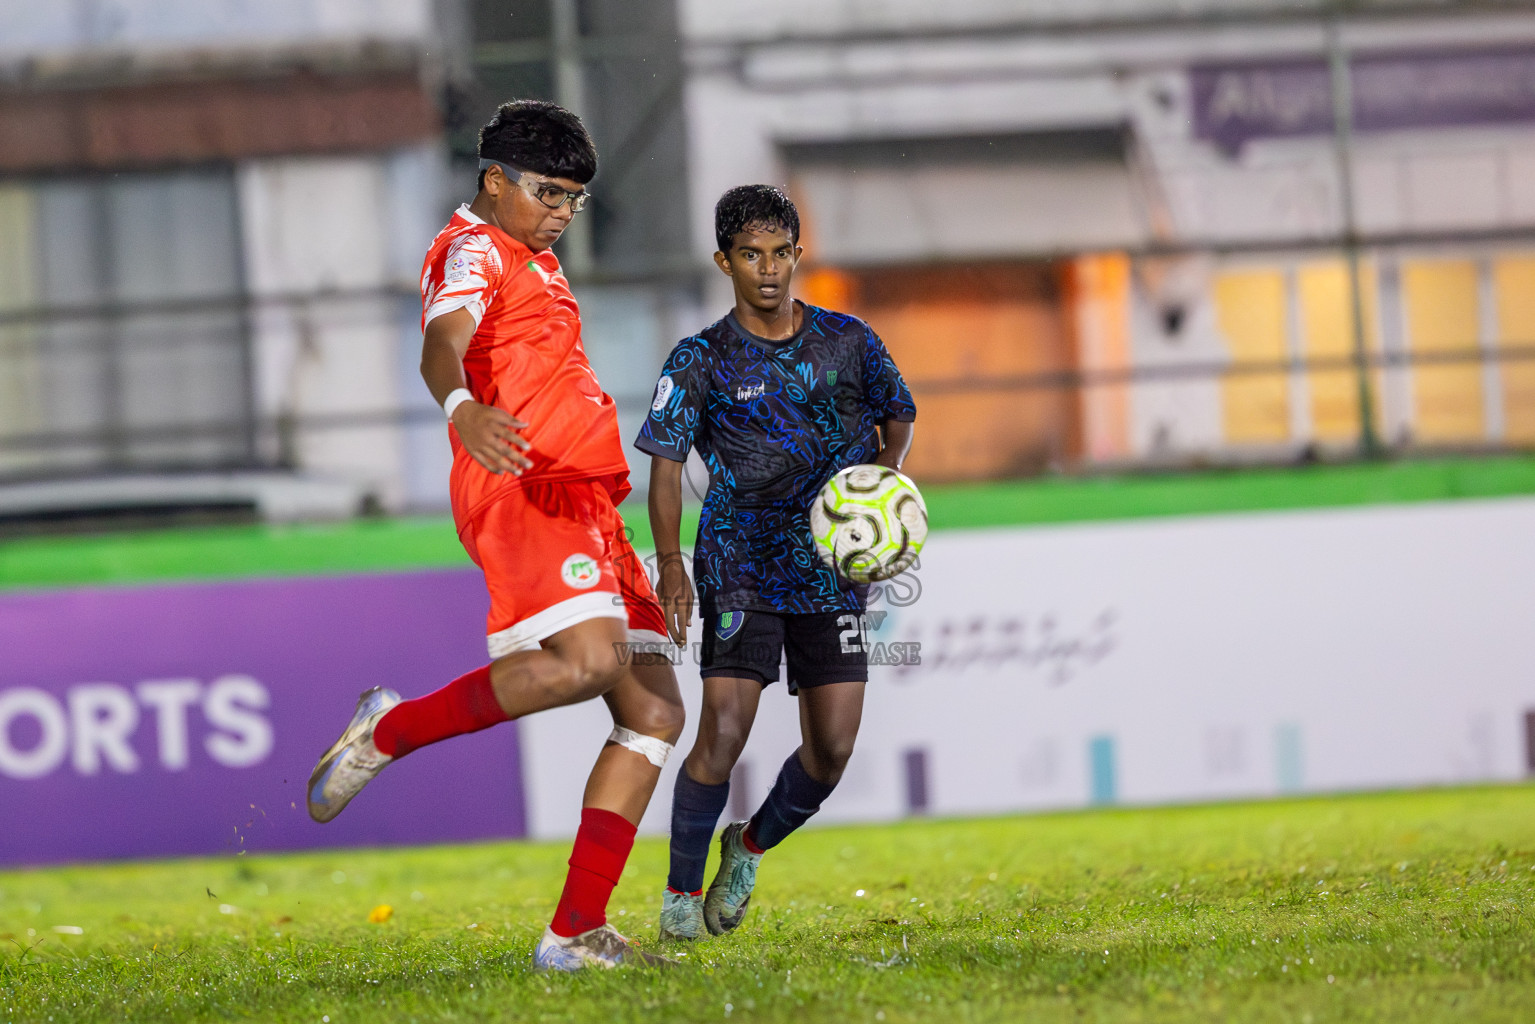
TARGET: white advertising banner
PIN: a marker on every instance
(1156, 661)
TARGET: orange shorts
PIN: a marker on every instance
(555, 554)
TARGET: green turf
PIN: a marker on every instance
(1069, 499)
(368, 545)
(1396, 907)
(379, 545)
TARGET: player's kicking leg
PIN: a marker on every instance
(647, 717)
(702, 789)
(829, 719)
(575, 664)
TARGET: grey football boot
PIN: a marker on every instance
(731, 891)
(353, 760)
(682, 915)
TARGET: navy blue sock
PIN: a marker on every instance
(696, 809)
(794, 798)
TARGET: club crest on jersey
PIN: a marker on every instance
(831, 378)
(663, 392)
(729, 625)
(580, 572)
(750, 391)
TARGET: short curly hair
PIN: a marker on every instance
(746, 205)
(541, 137)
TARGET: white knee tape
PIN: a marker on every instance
(655, 751)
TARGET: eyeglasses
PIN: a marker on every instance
(549, 194)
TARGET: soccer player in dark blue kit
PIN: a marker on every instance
(777, 397)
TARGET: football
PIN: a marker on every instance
(868, 522)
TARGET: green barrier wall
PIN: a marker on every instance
(393, 544)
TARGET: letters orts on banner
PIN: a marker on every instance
(93, 727)
(185, 719)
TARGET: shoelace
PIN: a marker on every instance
(612, 944)
(742, 876)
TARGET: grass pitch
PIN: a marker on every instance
(1394, 907)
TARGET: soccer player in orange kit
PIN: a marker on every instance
(538, 469)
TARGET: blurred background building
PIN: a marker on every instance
(1097, 234)
(210, 217)
(1107, 233)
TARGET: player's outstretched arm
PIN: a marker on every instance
(674, 589)
(489, 434)
(897, 435)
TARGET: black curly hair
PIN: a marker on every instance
(541, 137)
(748, 205)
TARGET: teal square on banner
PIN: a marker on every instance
(1289, 762)
(1100, 759)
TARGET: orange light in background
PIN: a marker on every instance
(1250, 310)
(1440, 297)
(1514, 280)
(1098, 295)
(965, 337)
(828, 288)
(1327, 332)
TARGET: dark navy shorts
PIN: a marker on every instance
(822, 647)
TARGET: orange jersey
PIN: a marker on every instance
(525, 357)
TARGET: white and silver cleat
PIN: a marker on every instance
(600, 947)
(353, 760)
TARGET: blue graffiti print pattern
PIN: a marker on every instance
(773, 421)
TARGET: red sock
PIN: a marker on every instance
(750, 843)
(602, 847)
(467, 704)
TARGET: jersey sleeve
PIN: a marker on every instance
(470, 270)
(884, 387)
(676, 411)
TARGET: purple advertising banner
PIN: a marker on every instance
(1234, 104)
(185, 719)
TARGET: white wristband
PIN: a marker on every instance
(456, 397)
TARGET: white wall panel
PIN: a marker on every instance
(327, 335)
(420, 195)
(713, 19)
(887, 215)
(1454, 189)
(1218, 657)
(61, 26)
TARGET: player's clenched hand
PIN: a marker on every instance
(491, 436)
(675, 592)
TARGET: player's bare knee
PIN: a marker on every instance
(730, 733)
(673, 717)
(827, 759)
(718, 749)
(728, 747)
(656, 717)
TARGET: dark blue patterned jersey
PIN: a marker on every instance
(773, 421)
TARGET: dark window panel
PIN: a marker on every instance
(641, 214)
(119, 386)
(493, 86)
(627, 17)
(507, 21)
